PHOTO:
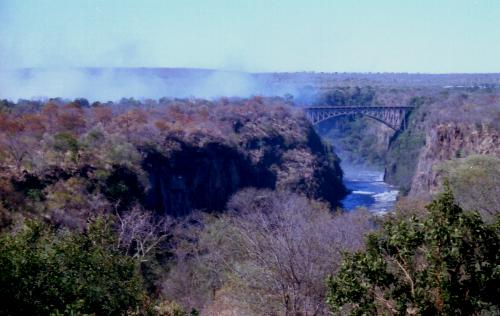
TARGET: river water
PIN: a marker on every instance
(368, 190)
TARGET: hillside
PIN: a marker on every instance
(214, 206)
(445, 127)
(65, 160)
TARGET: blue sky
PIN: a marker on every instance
(437, 36)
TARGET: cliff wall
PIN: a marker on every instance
(447, 142)
(204, 174)
(451, 126)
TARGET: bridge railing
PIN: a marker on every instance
(392, 116)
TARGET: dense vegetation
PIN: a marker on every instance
(70, 167)
(66, 160)
(443, 264)
(44, 271)
(442, 260)
(189, 206)
(268, 254)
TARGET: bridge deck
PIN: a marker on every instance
(359, 107)
(392, 116)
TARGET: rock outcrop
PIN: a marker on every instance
(172, 156)
(450, 125)
(449, 141)
(254, 145)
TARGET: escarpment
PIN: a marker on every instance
(201, 172)
(172, 156)
(455, 127)
(451, 141)
(200, 177)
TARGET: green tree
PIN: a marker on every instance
(444, 264)
(43, 271)
(67, 143)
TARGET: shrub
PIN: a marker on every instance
(444, 264)
(43, 271)
(65, 142)
(268, 255)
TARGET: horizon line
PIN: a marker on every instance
(244, 71)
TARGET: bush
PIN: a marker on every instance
(268, 255)
(65, 142)
(44, 272)
(475, 180)
(444, 264)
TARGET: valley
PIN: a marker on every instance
(213, 204)
(249, 158)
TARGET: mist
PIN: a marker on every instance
(111, 84)
(94, 49)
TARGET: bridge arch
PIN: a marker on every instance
(392, 116)
(347, 114)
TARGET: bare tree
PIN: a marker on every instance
(290, 244)
(140, 232)
(268, 255)
(15, 141)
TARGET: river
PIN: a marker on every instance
(368, 190)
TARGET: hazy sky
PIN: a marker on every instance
(259, 35)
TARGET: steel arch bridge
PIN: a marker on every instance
(392, 116)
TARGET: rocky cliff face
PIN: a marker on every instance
(171, 155)
(200, 177)
(449, 141)
(450, 125)
(262, 147)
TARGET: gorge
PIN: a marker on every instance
(249, 158)
(206, 197)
